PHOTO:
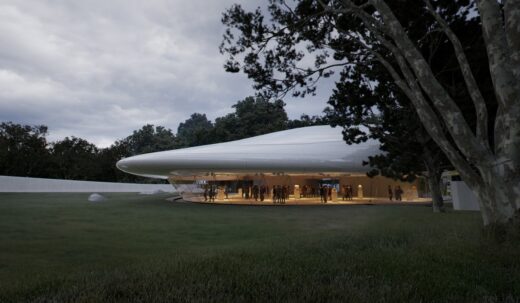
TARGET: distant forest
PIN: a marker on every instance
(24, 150)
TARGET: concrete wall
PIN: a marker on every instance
(24, 184)
(462, 197)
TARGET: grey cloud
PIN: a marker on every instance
(100, 69)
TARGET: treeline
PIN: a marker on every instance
(25, 151)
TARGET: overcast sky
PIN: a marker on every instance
(101, 69)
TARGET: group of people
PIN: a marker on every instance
(348, 192)
(308, 191)
(210, 192)
(257, 192)
(325, 193)
(398, 192)
(280, 194)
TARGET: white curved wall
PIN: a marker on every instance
(26, 185)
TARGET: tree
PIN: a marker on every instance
(150, 139)
(107, 159)
(226, 128)
(147, 139)
(74, 159)
(345, 34)
(388, 115)
(195, 131)
(385, 115)
(410, 152)
(252, 117)
(23, 150)
(306, 120)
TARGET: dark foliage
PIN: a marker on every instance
(252, 117)
(74, 159)
(288, 47)
(24, 150)
(195, 131)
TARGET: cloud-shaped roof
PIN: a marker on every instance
(312, 149)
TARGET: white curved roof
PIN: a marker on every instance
(312, 149)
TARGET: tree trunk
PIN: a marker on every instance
(435, 187)
(493, 175)
(500, 195)
(434, 180)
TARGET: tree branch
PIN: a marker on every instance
(464, 138)
(428, 116)
(512, 27)
(469, 79)
(507, 89)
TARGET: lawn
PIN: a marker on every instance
(132, 248)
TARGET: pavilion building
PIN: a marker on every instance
(301, 159)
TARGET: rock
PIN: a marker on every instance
(95, 197)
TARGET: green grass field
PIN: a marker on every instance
(131, 248)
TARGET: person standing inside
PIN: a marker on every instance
(211, 194)
(390, 193)
(324, 192)
(246, 192)
(262, 193)
(398, 193)
(255, 192)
